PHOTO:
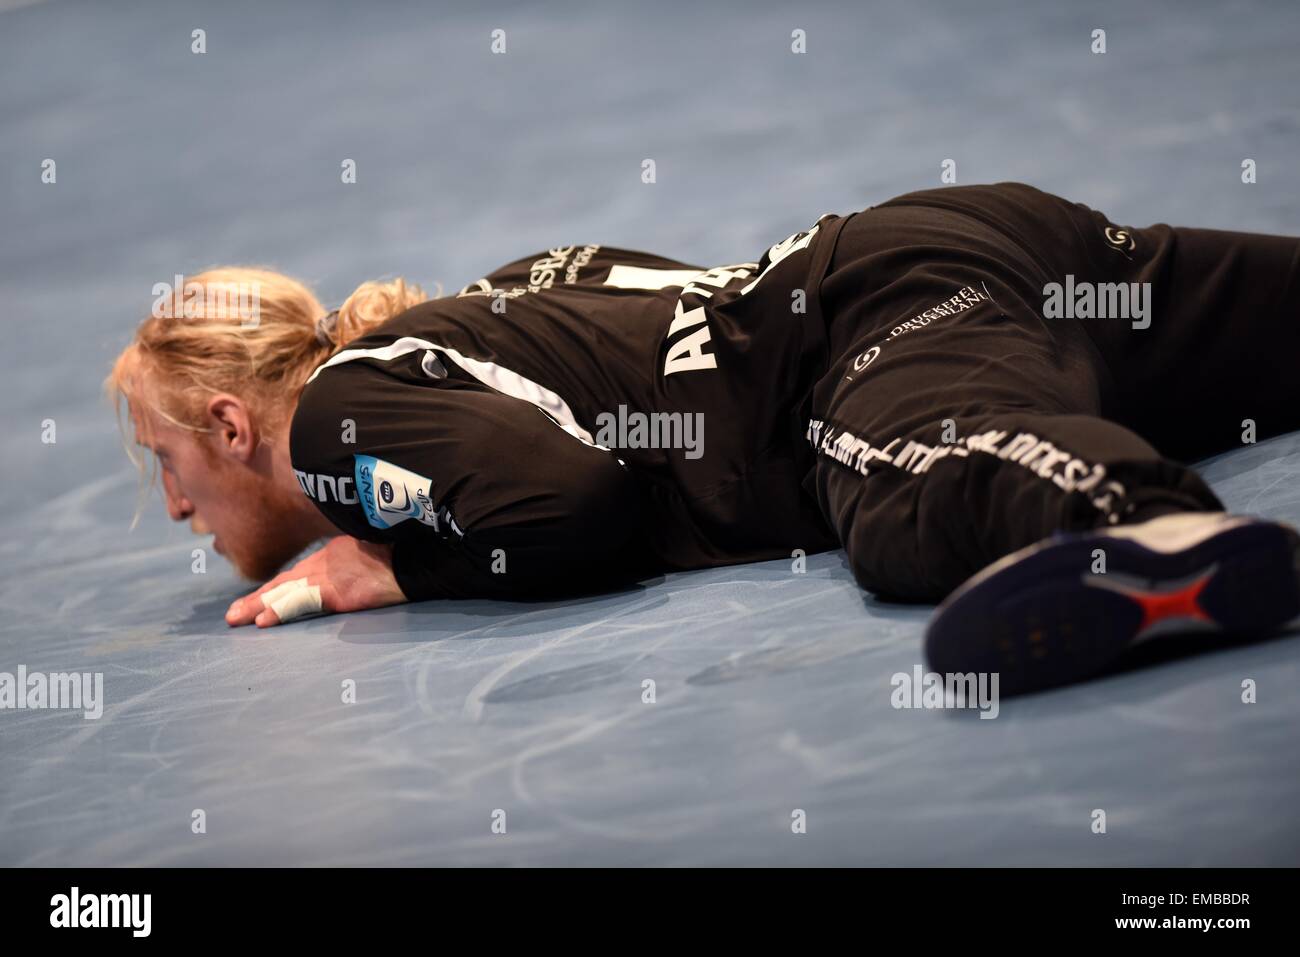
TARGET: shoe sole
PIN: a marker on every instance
(1043, 618)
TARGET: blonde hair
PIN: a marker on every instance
(248, 331)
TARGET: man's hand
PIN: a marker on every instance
(351, 575)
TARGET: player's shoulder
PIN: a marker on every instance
(390, 385)
(320, 413)
(571, 265)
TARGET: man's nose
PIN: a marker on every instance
(179, 508)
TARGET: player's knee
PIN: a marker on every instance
(887, 561)
(892, 582)
(904, 546)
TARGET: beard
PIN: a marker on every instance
(267, 531)
(261, 557)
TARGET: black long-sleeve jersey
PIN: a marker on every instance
(576, 420)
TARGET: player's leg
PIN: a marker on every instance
(977, 435)
(1214, 361)
(957, 423)
(1063, 538)
(963, 444)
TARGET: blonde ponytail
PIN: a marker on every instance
(372, 303)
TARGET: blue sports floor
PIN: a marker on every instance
(772, 689)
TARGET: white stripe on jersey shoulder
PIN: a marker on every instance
(496, 377)
(639, 277)
(394, 350)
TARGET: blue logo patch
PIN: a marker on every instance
(391, 494)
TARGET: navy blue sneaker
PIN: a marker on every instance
(1068, 607)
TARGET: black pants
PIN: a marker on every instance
(970, 412)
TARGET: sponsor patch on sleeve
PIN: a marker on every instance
(390, 495)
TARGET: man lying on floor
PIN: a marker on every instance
(963, 388)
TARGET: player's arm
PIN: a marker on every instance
(522, 508)
(463, 491)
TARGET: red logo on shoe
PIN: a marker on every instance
(1157, 606)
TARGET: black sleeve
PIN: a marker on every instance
(481, 494)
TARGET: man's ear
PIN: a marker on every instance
(233, 427)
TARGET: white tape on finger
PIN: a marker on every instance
(273, 595)
(299, 603)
